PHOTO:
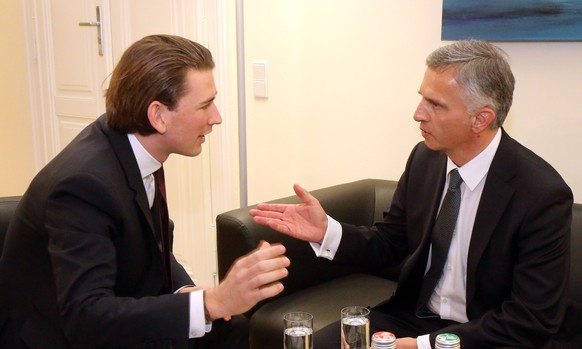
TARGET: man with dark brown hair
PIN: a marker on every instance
(86, 263)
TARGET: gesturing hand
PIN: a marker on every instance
(251, 279)
(306, 221)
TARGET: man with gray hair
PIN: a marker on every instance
(479, 225)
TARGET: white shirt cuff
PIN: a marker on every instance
(423, 342)
(331, 240)
(198, 325)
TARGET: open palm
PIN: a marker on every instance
(306, 221)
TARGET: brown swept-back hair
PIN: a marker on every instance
(152, 69)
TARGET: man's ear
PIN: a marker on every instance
(156, 116)
(483, 120)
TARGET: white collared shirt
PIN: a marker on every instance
(449, 298)
(147, 166)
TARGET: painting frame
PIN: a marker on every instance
(512, 20)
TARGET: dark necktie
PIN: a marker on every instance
(441, 238)
(162, 223)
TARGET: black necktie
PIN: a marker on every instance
(162, 222)
(441, 238)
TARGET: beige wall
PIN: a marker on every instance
(343, 76)
(343, 81)
(16, 149)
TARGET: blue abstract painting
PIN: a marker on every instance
(512, 20)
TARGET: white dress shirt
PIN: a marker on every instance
(449, 297)
(147, 166)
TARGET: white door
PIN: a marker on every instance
(73, 46)
(68, 72)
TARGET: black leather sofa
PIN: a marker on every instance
(321, 288)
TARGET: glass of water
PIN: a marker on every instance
(355, 327)
(298, 330)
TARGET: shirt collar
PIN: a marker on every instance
(146, 162)
(475, 170)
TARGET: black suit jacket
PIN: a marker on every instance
(518, 258)
(81, 267)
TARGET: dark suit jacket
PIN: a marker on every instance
(518, 260)
(81, 267)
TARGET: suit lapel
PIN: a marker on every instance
(495, 198)
(429, 191)
(122, 149)
(434, 196)
(434, 192)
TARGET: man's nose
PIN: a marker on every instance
(419, 113)
(215, 117)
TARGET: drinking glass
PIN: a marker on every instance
(298, 333)
(355, 322)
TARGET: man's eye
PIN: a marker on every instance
(208, 105)
(434, 104)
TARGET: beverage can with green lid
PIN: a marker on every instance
(447, 341)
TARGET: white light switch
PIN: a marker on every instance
(260, 79)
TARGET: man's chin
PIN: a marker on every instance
(192, 153)
(431, 145)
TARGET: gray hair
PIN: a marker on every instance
(483, 73)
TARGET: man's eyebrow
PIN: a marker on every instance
(431, 100)
(209, 100)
